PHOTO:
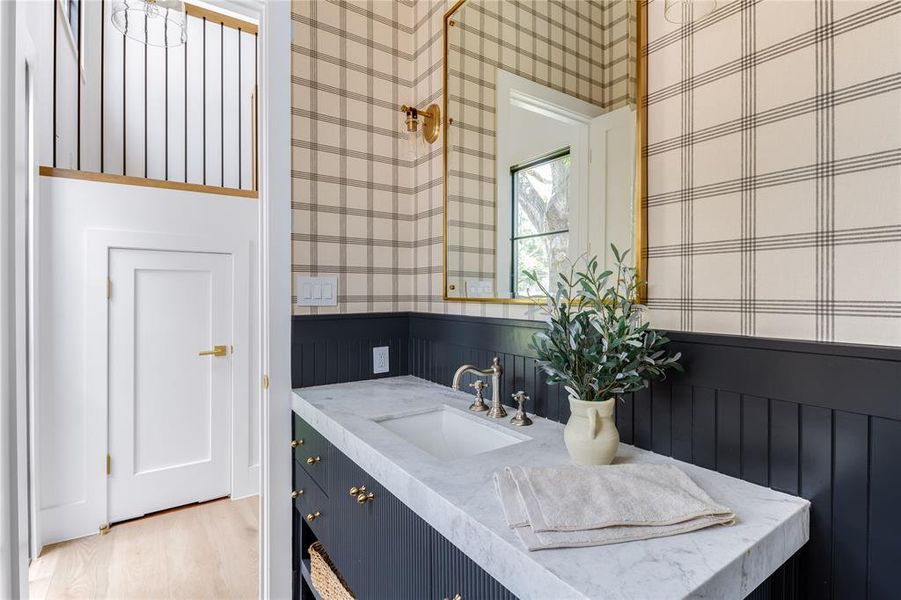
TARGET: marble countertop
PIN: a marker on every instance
(458, 499)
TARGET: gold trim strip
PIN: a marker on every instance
(641, 159)
(214, 17)
(141, 181)
(641, 165)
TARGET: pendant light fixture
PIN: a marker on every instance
(152, 22)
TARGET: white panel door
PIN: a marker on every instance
(612, 178)
(168, 405)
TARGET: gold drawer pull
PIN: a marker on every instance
(296, 443)
(296, 494)
(355, 491)
(364, 497)
(312, 516)
(313, 460)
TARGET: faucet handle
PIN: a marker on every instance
(520, 418)
(479, 405)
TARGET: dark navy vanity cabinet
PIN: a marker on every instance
(382, 549)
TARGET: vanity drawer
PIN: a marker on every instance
(311, 502)
(311, 451)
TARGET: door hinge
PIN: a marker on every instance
(265, 382)
(109, 288)
(109, 464)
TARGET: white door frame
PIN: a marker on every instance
(275, 275)
(27, 216)
(99, 242)
(13, 402)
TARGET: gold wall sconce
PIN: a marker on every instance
(428, 120)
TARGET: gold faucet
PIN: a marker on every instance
(494, 371)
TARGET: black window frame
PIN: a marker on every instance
(514, 258)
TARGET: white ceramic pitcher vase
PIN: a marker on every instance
(590, 434)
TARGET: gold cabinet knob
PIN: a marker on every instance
(296, 443)
(312, 516)
(296, 494)
(354, 491)
(364, 497)
(313, 460)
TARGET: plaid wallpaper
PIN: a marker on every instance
(774, 163)
(584, 49)
(352, 194)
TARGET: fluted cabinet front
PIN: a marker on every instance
(381, 548)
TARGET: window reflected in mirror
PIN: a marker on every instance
(540, 242)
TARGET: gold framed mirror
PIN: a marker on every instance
(544, 137)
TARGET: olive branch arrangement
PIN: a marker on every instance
(596, 343)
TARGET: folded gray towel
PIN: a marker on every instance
(588, 506)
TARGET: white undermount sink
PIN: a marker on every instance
(447, 433)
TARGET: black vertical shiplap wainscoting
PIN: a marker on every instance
(822, 421)
(338, 348)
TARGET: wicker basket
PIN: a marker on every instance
(326, 579)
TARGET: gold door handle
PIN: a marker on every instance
(296, 443)
(312, 516)
(216, 351)
(296, 494)
(355, 491)
(364, 497)
(313, 460)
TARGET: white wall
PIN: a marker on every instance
(90, 85)
(193, 127)
(37, 19)
(67, 82)
(68, 209)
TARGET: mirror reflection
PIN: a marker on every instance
(540, 143)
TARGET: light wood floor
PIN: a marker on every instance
(202, 551)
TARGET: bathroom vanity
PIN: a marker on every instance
(429, 524)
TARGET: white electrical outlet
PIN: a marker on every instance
(380, 359)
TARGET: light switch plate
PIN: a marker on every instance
(316, 291)
(479, 288)
(380, 360)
